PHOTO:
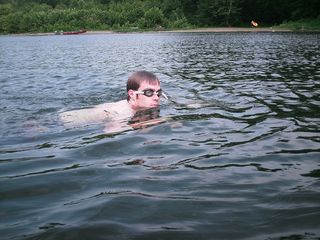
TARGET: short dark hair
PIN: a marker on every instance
(135, 80)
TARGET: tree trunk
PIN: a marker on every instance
(229, 12)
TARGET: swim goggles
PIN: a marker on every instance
(150, 93)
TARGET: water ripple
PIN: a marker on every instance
(238, 150)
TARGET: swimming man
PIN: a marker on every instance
(143, 92)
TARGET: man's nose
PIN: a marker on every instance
(155, 96)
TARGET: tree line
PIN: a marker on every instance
(19, 16)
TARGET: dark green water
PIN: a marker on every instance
(243, 164)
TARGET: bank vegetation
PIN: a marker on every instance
(31, 16)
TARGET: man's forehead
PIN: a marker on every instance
(145, 84)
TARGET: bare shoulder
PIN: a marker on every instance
(82, 116)
(120, 109)
(96, 114)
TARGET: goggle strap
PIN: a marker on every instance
(164, 95)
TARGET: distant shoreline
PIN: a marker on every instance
(195, 30)
(230, 29)
(199, 30)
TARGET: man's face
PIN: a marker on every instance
(142, 101)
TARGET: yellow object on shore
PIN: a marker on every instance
(254, 24)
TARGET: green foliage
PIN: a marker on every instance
(302, 25)
(265, 12)
(218, 12)
(153, 17)
(6, 9)
(18, 16)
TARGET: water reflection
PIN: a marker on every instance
(236, 147)
(146, 118)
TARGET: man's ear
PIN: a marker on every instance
(131, 94)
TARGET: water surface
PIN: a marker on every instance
(242, 162)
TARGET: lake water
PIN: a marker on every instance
(241, 163)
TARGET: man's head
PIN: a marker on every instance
(143, 90)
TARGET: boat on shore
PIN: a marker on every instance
(70, 33)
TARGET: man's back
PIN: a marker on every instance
(98, 114)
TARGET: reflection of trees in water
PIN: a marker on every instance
(145, 115)
(141, 119)
(146, 118)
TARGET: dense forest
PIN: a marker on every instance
(20, 16)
